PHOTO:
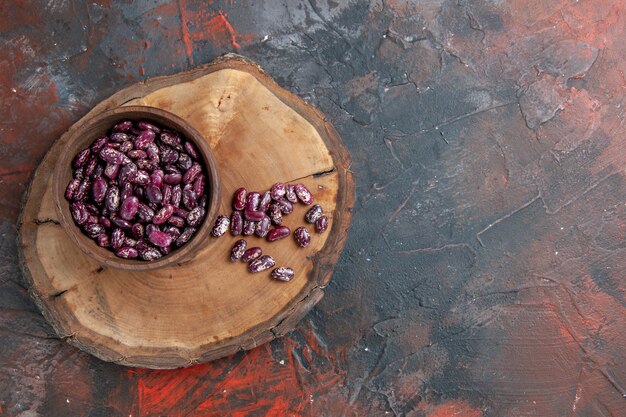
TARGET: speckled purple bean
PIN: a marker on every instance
(153, 194)
(248, 228)
(313, 213)
(321, 224)
(127, 252)
(151, 227)
(278, 233)
(192, 173)
(162, 215)
(149, 254)
(168, 155)
(143, 125)
(129, 208)
(170, 139)
(113, 156)
(81, 158)
(253, 215)
(261, 264)
(239, 199)
(117, 238)
(79, 212)
(121, 223)
(167, 193)
(265, 202)
(160, 239)
(195, 217)
(145, 213)
(191, 150)
(236, 223)
(302, 236)
(147, 164)
(71, 188)
(283, 274)
(99, 189)
(127, 190)
(152, 150)
(263, 227)
(278, 190)
(125, 172)
(252, 202)
(119, 137)
(190, 201)
(275, 214)
(177, 195)
(104, 240)
(105, 222)
(82, 190)
(137, 231)
(172, 230)
(221, 226)
(303, 193)
(184, 161)
(111, 170)
(251, 254)
(285, 205)
(198, 185)
(181, 212)
(185, 236)
(123, 126)
(99, 143)
(172, 179)
(290, 193)
(130, 242)
(177, 221)
(137, 154)
(145, 137)
(238, 249)
(112, 199)
(156, 178)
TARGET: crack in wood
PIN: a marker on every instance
(47, 220)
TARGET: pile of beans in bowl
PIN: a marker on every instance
(138, 191)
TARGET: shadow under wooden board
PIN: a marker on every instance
(208, 307)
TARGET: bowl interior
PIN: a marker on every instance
(83, 135)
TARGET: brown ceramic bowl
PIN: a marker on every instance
(99, 125)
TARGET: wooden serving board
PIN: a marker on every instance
(209, 307)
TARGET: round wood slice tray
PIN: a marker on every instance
(207, 307)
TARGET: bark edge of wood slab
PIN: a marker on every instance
(138, 318)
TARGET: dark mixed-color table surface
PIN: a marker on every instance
(484, 273)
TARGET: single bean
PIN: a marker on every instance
(117, 238)
(283, 274)
(221, 225)
(321, 224)
(290, 193)
(143, 125)
(236, 223)
(127, 252)
(160, 239)
(71, 188)
(81, 158)
(263, 227)
(261, 264)
(303, 194)
(248, 227)
(302, 236)
(124, 126)
(238, 250)
(280, 232)
(185, 236)
(265, 202)
(239, 199)
(313, 213)
(275, 214)
(99, 189)
(79, 212)
(163, 215)
(251, 254)
(252, 203)
(278, 190)
(253, 215)
(195, 217)
(192, 173)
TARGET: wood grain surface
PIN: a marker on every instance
(206, 307)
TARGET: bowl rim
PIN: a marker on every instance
(81, 137)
